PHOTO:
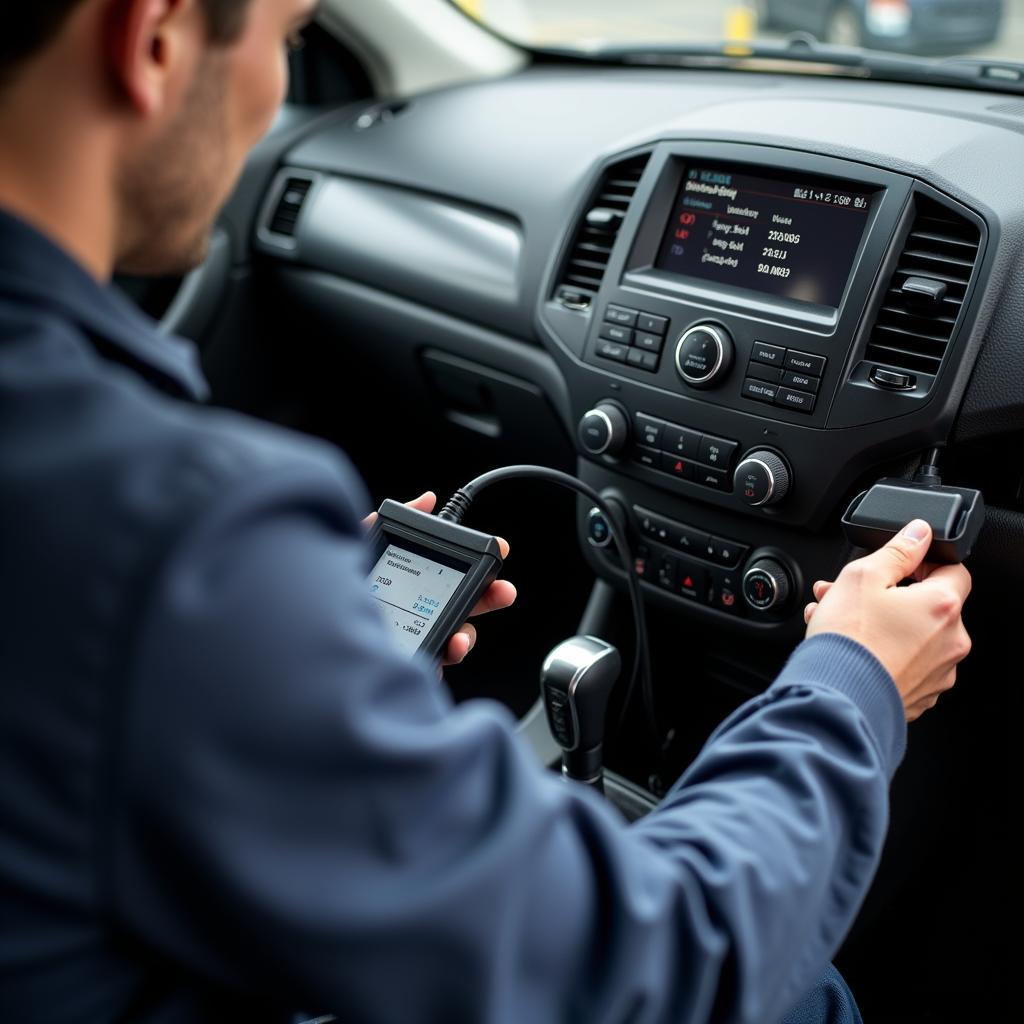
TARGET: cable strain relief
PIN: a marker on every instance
(457, 507)
(928, 471)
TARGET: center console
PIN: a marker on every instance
(747, 333)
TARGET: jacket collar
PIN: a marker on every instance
(35, 271)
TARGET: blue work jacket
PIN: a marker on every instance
(225, 795)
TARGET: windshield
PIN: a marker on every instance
(993, 29)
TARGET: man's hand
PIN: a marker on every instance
(500, 594)
(916, 632)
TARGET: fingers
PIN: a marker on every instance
(820, 589)
(954, 576)
(500, 594)
(918, 707)
(915, 711)
(901, 556)
(425, 503)
(460, 645)
(503, 544)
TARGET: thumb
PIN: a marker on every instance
(903, 554)
(424, 503)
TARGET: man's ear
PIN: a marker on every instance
(147, 42)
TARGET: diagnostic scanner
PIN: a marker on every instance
(428, 574)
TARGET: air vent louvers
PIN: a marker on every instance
(913, 330)
(286, 213)
(596, 233)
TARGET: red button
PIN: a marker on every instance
(679, 468)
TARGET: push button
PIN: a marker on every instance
(691, 580)
(665, 572)
(648, 430)
(651, 525)
(649, 457)
(718, 479)
(772, 374)
(717, 452)
(800, 381)
(724, 552)
(613, 332)
(770, 355)
(680, 441)
(681, 468)
(801, 401)
(648, 342)
(642, 561)
(690, 540)
(652, 324)
(621, 315)
(645, 360)
(759, 390)
(611, 350)
(725, 591)
(805, 362)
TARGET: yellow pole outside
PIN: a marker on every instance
(740, 27)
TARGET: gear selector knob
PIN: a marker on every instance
(576, 681)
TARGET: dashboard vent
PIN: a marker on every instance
(595, 236)
(286, 212)
(922, 306)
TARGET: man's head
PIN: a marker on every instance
(157, 102)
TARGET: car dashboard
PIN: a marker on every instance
(743, 296)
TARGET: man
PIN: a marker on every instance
(223, 794)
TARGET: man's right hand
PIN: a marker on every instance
(916, 632)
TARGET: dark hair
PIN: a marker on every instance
(37, 21)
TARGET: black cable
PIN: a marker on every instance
(458, 505)
(928, 471)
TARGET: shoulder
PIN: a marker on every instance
(117, 466)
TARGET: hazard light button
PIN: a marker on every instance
(691, 580)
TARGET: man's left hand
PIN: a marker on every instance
(500, 594)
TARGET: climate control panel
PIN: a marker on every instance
(707, 569)
(762, 477)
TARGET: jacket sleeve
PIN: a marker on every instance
(300, 813)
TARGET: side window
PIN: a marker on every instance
(324, 71)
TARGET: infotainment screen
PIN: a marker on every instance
(794, 238)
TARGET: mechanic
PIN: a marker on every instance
(224, 795)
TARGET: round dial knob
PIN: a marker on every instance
(704, 355)
(604, 430)
(762, 478)
(599, 533)
(766, 585)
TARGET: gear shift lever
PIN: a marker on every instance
(575, 683)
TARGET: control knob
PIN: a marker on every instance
(704, 355)
(762, 478)
(766, 585)
(604, 430)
